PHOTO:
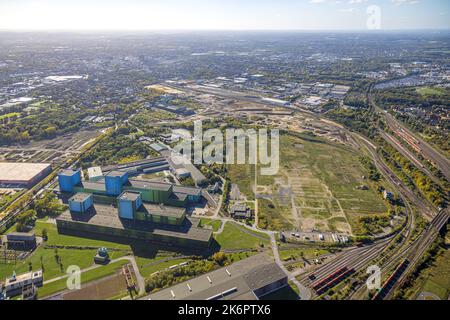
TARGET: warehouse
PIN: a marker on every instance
(18, 174)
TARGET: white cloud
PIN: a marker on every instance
(400, 2)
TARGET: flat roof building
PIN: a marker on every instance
(21, 240)
(248, 279)
(152, 223)
(240, 211)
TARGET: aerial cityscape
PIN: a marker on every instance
(224, 160)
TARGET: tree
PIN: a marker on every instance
(25, 220)
(219, 258)
(44, 234)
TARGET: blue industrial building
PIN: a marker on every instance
(114, 181)
(129, 203)
(81, 202)
(68, 179)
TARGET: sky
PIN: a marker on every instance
(224, 14)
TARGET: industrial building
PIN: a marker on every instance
(117, 206)
(154, 223)
(240, 211)
(140, 167)
(23, 175)
(21, 241)
(248, 279)
(108, 187)
(179, 164)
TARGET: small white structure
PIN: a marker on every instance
(95, 172)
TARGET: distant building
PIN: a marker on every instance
(177, 162)
(23, 174)
(155, 164)
(21, 241)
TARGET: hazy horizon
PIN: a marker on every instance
(214, 15)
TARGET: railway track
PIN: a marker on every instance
(416, 250)
(353, 259)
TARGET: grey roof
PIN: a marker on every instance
(179, 196)
(192, 191)
(139, 163)
(129, 195)
(67, 172)
(162, 210)
(236, 281)
(147, 184)
(20, 235)
(107, 216)
(94, 185)
(239, 207)
(80, 197)
(116, 173)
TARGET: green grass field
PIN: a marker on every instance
(149, 266)
(308, 253)
(430, 91)
(235, 236)
(436, 278)
(44, 258)
(54, 238)
(215, 224)
(9, 115)
(323, 178)
(88, 276)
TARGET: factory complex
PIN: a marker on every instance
(23, 175)
(118, 206)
